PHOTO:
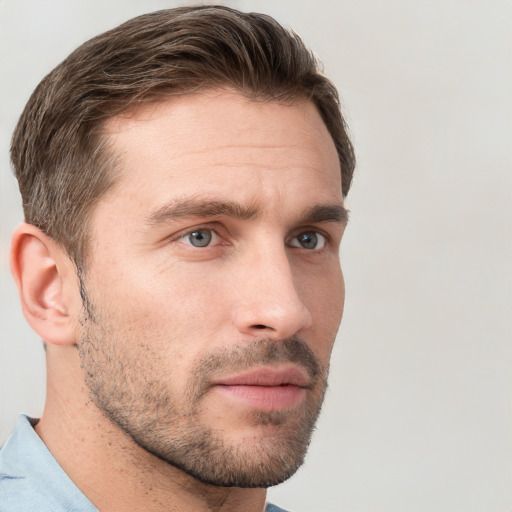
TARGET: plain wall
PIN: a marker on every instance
(419, 413)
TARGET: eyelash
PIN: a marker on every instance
(184, 236)
(324, 238)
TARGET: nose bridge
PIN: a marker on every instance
(270, 303)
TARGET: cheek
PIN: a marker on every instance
(323, 290)
(325, 302)
(181, 309)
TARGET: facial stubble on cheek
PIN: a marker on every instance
(134, 393)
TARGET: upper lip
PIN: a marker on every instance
(267, 376)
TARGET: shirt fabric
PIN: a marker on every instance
(31, 480)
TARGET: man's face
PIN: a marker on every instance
(214, 284)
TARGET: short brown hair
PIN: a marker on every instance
(58, 153)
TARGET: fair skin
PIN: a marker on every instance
(216, 292)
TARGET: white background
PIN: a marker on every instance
(419, 413)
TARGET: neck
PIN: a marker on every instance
(110, 469)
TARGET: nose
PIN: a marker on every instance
(269, 304)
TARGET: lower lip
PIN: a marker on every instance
(265, 398)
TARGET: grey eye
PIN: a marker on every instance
(199, 238)
(308, 240)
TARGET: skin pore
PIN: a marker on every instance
(194, 379)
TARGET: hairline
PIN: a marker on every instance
(111, 160)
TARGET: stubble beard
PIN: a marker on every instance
(126, 389)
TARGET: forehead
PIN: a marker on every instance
(222, 143)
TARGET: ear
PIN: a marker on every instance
(47, 285)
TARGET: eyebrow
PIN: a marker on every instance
(325, 213)
(192, 207)
(196, 208)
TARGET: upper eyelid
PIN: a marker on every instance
(310, 229)
(212, 242)
(193, 230)
(218, 227)
(187, 231)
(327, 238)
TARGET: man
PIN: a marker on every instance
(183, 178)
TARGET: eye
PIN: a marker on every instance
(200, 237)
(311, 240)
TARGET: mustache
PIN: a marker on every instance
(263, 352)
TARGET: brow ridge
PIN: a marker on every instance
(325, 213)
(183, 208)
(197, 208)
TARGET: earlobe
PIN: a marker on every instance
(46, 281)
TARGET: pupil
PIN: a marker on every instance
(309, 240)
(200, 238)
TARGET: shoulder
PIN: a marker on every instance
(31, 479)
(274, 508)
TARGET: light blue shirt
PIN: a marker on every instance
(31, 480)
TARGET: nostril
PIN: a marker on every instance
(260, 326)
